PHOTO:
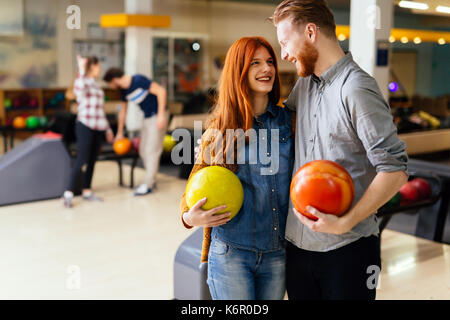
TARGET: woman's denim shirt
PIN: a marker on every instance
(265, 176)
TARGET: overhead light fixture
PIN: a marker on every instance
(441, 41)
(443, 9)
(391, 39)
(417, 40)
(342, 37)
(404, 40)
(393, 86)
(196, 46)
(413, 5)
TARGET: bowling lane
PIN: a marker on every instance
(413, 268)
(122, 249)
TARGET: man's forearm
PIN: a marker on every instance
(121, 120)
(162, 102)
(383, 187)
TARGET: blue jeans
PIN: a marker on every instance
(237, 274)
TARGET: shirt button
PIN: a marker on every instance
(315, 116)
(275, 228)
(268, 153)
(262, 138)
(273, 209)
(273, 190)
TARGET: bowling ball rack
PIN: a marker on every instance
(385, 214)
(11, 131)
(107, 154)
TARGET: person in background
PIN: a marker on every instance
(90, 127)
(152, 99)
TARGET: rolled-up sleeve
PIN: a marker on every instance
(373, 123)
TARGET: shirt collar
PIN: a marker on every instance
(272, 110)
(332, 72)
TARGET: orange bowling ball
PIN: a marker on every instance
(19, 122)
(122, 146)
(324, 185)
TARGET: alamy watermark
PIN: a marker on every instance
(374, 272)
(74, 19)
(73, 281)
(263, 147)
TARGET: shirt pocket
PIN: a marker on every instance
(285, 135)
(286, 153)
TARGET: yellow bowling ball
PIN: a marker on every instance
(219, 185)
(169, 143)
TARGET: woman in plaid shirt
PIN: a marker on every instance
(90, 126)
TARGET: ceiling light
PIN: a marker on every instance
(391, 39)
(404, 40)
(441, 41)
(196, 46)
(393, 86)
(413, 5)
(443, 9)
(417, 40)
(342, 37)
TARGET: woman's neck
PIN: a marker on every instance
(259, 103)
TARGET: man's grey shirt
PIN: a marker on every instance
(342, 117)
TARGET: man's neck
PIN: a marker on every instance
(125, 82)
(329, 54)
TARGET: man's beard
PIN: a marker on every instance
(307, 59)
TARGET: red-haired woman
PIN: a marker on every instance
(246, 255)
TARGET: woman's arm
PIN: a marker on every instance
(196, 216)
(79, 85)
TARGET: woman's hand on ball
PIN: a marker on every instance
(197, 217)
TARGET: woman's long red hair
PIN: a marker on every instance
(233, 109)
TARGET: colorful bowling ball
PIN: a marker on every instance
(219, 185)
(423, 187)
(122, 146)
(135, 142)
(43, 121)
(324, 185)
(394, 202)
(32, 122)
(169, 143)
(33, 103)
(8, 103)
(19, 122)
(409, 193)
(59, 96)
